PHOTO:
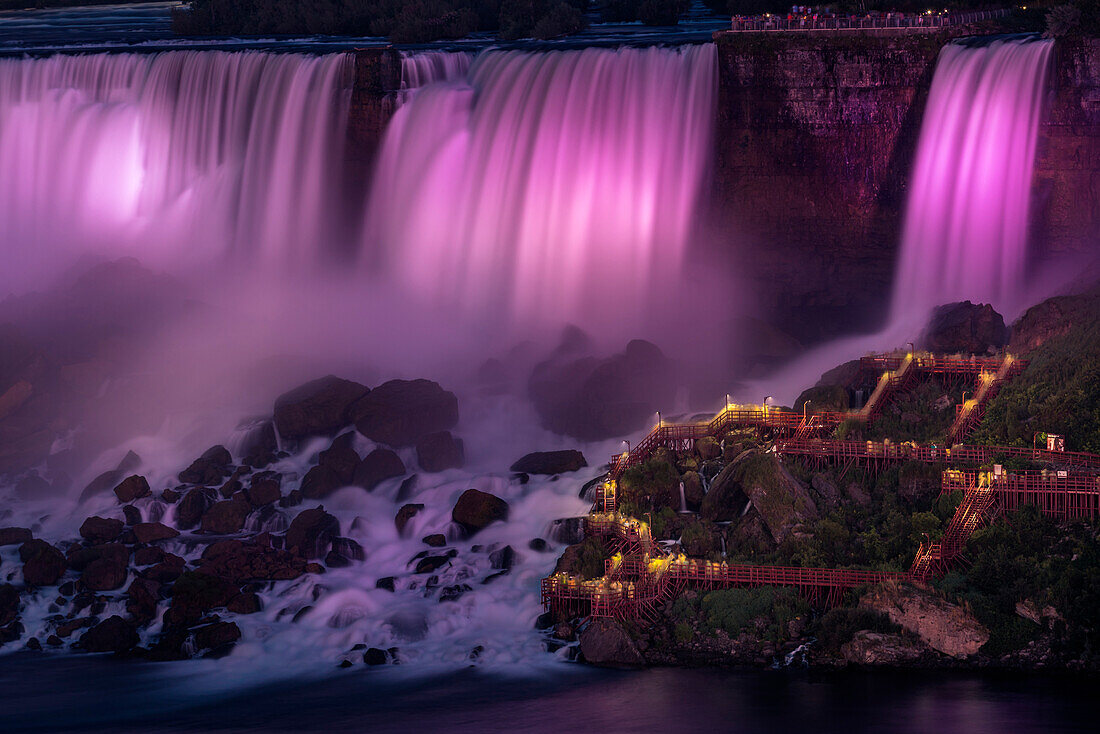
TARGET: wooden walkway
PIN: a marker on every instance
(641, 575)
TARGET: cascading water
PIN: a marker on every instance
(170, 155)
(538, 184)
(966, 224)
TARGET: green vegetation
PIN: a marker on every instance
(923, 413)
(649, 488)
(1028, 558)
(1075, 18)
(1059, 392)
(765, 611)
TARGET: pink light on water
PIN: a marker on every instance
(965, 234)
(546, 186)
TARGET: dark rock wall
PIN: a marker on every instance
(1065, 214)
(815, 134)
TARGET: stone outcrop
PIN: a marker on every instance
(476, 509)
(401, 412)
(317, 408)
(440, 451)
(605, 643)
(964, 328)
(945, 627)
(550, 462)
(876, 648)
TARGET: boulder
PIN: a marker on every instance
(593, 399)
(476, 509)
(210, 468)
(132, 514)
(100, 529)
(378, 466)
(400, 412)
(374, 656)
(225, 517)
(216, 635)
(708, 448)
(9, 604)
(440, 451)
(110, 479)
(348, 549)
(104, 574)
(964, 327)
(311, 533)
(693, 490)
(240, 561)
(141, 600)
(193, 594)
(113, 634)
(406, 513)
(341, 458)
(945, 627)
(605, 643)
(317, 408)
(259, 445)
(151, 532)
(263, 491)
(550, 462)
(759, 480)
(131, 488)
(428, 564)
(193, 506)
(43, 564)
(321, 481)
(435, 540)
(246, 603)
(15, 536)
(876, 648)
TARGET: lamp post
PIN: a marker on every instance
(805, 405)
(764, 405)
(658, 419)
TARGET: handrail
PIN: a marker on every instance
(870, 22)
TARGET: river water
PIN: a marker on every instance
(96, 694)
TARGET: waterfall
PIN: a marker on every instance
(536, 184)
(965, 232)
(171, 155)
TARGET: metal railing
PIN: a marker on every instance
(865, 23)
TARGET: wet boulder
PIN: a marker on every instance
(550, 462)
(216, 636)
(193, 594)
(193, 506)
(239, 561)
(106, 573)
(317, 408)
(263, 490)
(440, 451)
(43, 564)
(106, 481)
(378, 466)
(341, 458)
(966, 328)
(400, 412)
(311, 533)
(435, 540)
(113, 634)
(101, 530)
(151, 532)
(225, 517)
(131, 488)
(9, 604)
(476, 509)
(210, 468)
(321, 481)
(15, 536)
(406, 513)
(245, 603)
(141, 600)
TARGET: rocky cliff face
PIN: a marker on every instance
(945, 627)
(815, 134)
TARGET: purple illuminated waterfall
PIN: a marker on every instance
(546, 186)
(170, 156)
(965, 233)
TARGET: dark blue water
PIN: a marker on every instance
(86, 694)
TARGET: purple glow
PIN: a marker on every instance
(965, 233)
(169, 156)
(559, 184)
